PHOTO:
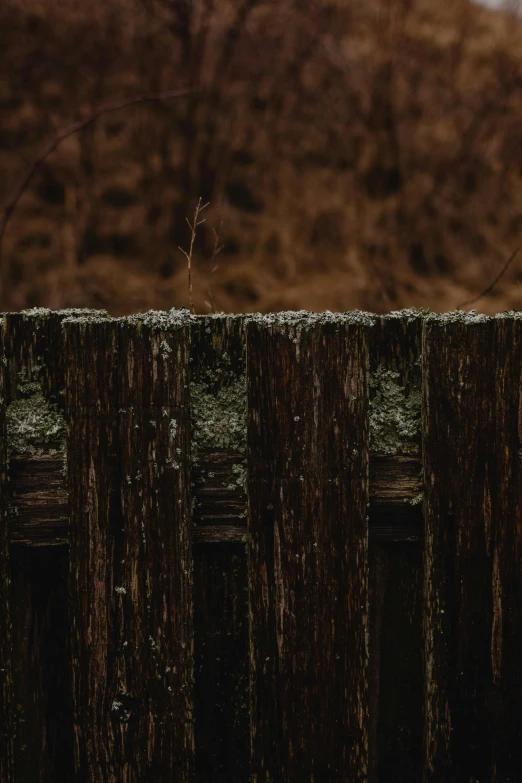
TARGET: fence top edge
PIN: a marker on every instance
(43, 313)
(176, 317)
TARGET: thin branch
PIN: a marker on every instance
(493, 284)
(69, 130)
(188, 253)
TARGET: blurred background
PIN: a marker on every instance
(353, 154)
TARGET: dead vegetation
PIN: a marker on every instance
(354, 154)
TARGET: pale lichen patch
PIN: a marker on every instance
(304, 319)
(409, 313)
(43, 313)
(219, 418)
(459, 316)
(514, 315)
(33, 424)
(161, 320)
(395, 415)
(416, 500)
(240, 472)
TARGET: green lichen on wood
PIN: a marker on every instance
(459, 316)
(33, 424)
(417, 499)
(395, 415)
(160, 320)
(304, 319)
(219, 418)
(409, 313)
(41, 313)
(240, 473)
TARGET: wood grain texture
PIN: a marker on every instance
(473, 540)
(6, 662)
(218, 408)
(38, 488)
(39, 485)
(34, 347)
(395, 685)
(395, 490)
(130, 580)
(36, 439)
(308, 549)
(38, 508)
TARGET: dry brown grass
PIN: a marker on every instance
(354, 154)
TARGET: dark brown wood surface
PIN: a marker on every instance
(308, 548)
(38, 488)
(473, 545)
(218, 407)
(35, 438)
(35, 397)
(459, 683)
(6, 672)
(39, 485)
(43, 704)
(221, 663)
(395, 681)
(130, 585)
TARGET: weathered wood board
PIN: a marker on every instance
(473, 546)
(6, 660)
(308, 547)
(130, 583)
(37, 512)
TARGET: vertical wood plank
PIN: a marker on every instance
(473, 532)
(395, 683)
(218, 412)
(308, 546)
(35, 429)
(131, 567)
(6, 672)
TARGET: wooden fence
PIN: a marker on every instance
(219, 560)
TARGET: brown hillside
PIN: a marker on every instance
(355, 154)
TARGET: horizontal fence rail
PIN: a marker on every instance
(281, 547)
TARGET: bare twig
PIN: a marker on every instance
(69, 130)
(214, 267)
(493, 284)
(188, 253)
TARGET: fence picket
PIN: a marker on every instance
(308, 547)
(473, 541)
(38, 516)
(131, 566)
(6, 673)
